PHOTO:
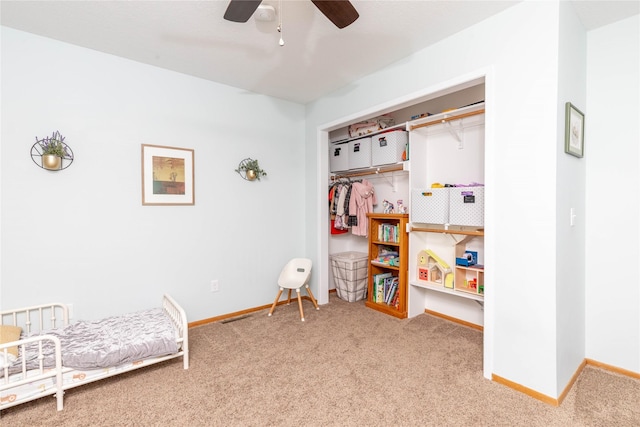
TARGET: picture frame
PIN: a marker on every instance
(574, 131)
(167, 176)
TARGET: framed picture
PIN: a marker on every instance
(574, 131)
(167, 176)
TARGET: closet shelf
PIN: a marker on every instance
(447, 231)
(439, 288)
(436, 119)
(399, 126)
(385, 265)
(369, 171)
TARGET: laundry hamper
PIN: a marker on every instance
(350, 275)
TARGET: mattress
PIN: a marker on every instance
(110, 341)
(70, 378)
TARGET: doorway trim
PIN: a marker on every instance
(485, 75)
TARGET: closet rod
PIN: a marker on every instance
(372, 171)
(448, 231)
(446, 119)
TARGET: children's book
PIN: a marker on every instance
(378, 286)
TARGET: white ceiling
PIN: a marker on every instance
(191, 37)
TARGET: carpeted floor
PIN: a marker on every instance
(346, 365)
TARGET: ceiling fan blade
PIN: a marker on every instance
(340, 12)
(241, 10)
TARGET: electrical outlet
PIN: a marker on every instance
(215, 286)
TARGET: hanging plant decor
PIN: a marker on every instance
(51, 152)
(250, 170)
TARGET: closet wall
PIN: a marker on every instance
(450, 153)
(393, 186)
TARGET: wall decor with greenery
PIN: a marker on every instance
(51, 152)
(250, 170)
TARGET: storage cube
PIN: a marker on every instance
(360, 153)
(387, 148)
(338, 135)
(466, 206)
(430, 205)
(350, 275)
(339, 157)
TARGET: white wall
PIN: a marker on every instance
(570, 193)
(612, 156)
(82, 236)
(519, 49)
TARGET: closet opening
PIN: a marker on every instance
(395, 182)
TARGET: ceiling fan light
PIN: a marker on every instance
(265, 12)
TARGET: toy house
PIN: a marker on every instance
(431, 268)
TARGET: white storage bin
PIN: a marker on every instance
(360, 153)
(430, 205)
(466, 206)
(350, 275)
(387, 148)
(339, 157)
(338, 135)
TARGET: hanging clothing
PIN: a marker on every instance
(339, 203)
(362, 200)
(341, 213)
(344, 212)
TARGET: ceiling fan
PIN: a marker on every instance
(340, 12)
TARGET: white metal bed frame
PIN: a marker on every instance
(49, 316)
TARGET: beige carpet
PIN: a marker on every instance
(347, 365)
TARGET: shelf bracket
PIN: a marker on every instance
(455, 133)
(480, 303)
(455, 241)
(391, 183)
(462, 239)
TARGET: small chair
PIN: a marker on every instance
(295, 275)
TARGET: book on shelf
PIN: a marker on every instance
(388, 284)
(377, 293)
(388, 233)
(385, 288)
(395, 302)
(393, 290)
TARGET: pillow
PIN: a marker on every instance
(9, 361)
(10, 333)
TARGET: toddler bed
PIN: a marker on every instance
(42, 354)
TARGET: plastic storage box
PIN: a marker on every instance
(360, 153)
(466, 206)
(387, 147)
(350, 275)
(339, 157)
(430, 205)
